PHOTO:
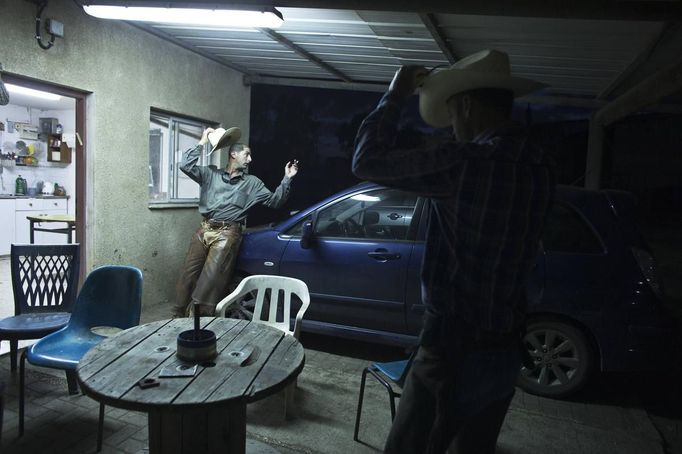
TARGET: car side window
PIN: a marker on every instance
(567, 231)
(381, 214)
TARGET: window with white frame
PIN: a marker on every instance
(169, 137)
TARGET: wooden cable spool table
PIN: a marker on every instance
(203, 413)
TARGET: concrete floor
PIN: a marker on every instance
(326, 401)
(623, 414)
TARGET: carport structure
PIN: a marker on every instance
(616, 58)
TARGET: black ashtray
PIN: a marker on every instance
(195, 346)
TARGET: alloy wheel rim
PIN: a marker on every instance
(556, 358)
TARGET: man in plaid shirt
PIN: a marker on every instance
(489, 189)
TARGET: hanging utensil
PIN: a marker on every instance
(20, 147)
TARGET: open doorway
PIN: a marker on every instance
(42, 168)
(73, 137)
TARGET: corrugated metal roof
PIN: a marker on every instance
(576, 57)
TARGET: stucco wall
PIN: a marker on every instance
(127, 71)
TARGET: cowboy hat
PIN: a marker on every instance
(484, 69)
(221, 138)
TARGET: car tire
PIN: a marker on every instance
(563, 359)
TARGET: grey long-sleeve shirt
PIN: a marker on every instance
(228, 199)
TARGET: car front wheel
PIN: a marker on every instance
(563, 359)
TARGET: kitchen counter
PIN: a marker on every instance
(15, 211)
(42, 196)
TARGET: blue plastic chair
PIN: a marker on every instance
(110, 297)
(45, 282)
(395, 371)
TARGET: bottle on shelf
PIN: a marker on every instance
(20, 186)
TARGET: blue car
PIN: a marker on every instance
(594, 298)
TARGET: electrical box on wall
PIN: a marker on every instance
(55, 28)
(48, 125)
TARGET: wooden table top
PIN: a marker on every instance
(110, 371)
(70, 218)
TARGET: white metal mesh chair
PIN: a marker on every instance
(275, 292)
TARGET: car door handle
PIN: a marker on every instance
(394, 216)
(383, 255)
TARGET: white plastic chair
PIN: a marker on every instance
(280, 290)
(277, 285)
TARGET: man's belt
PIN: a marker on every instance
(222, 224)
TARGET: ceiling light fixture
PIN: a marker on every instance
(31, 92)
(270, 18)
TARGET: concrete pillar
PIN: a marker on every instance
(595, 154)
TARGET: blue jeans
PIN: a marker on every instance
(454, 402)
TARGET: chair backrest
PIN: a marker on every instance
(44, 277)
(111, 296)
(277, 290)
(401, 379)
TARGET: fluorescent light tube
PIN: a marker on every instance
(188, 16)
(31, 92)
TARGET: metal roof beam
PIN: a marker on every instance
(318, 83)
(636, 63)
(431, 24)
(648, 92)
(305, 54)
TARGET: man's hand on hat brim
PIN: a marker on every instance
(204, 136)
(406, 80)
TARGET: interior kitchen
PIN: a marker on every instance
(37, 176)
(37, 169)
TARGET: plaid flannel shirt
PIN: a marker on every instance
(488, 200)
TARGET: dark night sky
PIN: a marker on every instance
(317, 126)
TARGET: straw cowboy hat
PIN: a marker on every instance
(221, 138)
(484, 69)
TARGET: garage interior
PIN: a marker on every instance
(618, 64)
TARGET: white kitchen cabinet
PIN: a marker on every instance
(7, 221)
(35, 207)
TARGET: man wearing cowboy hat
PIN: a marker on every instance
(225, 197)
(488, 190)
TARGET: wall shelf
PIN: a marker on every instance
(57, 150)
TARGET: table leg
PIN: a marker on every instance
(70, 234)
(31, 232)
(217, 430)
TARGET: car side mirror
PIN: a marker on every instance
(307, 235)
